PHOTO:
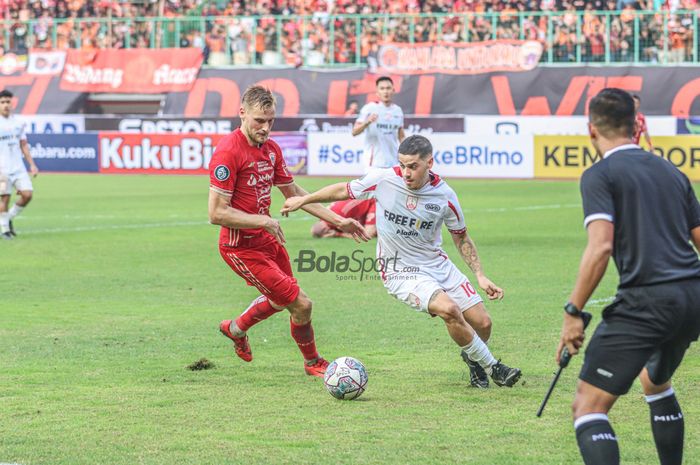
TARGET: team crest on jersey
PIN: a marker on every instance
(222, 173)
(411, 202)
(272, 158)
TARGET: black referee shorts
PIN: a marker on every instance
(648, 326)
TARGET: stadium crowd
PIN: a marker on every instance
(241, 32)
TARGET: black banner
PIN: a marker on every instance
(542, 91)
(672, 90)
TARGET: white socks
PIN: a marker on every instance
(479, 353)
(4, 223)
(14, 211)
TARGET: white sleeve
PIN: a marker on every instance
(365, 187)
(454, 218)
(23, 132)
(365, 111)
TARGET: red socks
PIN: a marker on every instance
(259, 310)
(304, 337)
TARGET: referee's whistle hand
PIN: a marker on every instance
(572, 336)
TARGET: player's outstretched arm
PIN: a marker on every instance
(298, 198)
(221, 213)
(467, 250)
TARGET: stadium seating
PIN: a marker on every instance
(345, 32)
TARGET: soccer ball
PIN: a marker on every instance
(345, 378)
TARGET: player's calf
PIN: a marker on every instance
(479, 319)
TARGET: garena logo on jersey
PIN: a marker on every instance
(156, 153)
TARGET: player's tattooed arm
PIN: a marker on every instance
(467, 249)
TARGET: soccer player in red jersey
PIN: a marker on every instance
(640, 125)
(243, 169)
(363, 211)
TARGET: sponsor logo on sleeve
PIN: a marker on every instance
(222, 173)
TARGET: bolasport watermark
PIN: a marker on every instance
(356, 266)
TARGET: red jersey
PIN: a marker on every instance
(247, 174)
(640, 126)
(361, 210)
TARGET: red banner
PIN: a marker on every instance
(156, 153)
(140, 71)
(456, 58)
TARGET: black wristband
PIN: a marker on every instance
(572, 309)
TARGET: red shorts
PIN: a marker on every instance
(367, 218)
(267, 268)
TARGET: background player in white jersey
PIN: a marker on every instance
(412, 203)
(382, 123)
(13, 146)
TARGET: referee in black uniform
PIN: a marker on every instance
(641, 210)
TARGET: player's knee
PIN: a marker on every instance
(26, 196)
(485, 324)
(301, 307)
(317, 230)
(451, 313)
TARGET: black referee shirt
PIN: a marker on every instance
(653, 207)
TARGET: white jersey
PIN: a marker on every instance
(381, 137)
(409, 222)
(12, 131)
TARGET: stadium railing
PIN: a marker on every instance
(569, 38)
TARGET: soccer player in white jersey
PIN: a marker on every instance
(412, 204)
(382, 124)
(13, 145)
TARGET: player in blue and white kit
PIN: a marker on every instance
(382, 124)
(412, 204)
(13, 146)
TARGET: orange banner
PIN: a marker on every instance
(458, 58)
(142, 71)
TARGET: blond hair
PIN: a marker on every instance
(258, 97)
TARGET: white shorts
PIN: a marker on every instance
(19, 179)
(416, 289)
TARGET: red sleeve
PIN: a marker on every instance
(282, 175)
(223, 170)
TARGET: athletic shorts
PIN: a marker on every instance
(19, 179)
(649, 326)
(416, 289)
(267, 268)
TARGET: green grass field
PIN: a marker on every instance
(116, 285)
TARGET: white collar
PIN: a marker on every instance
(620, 147)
